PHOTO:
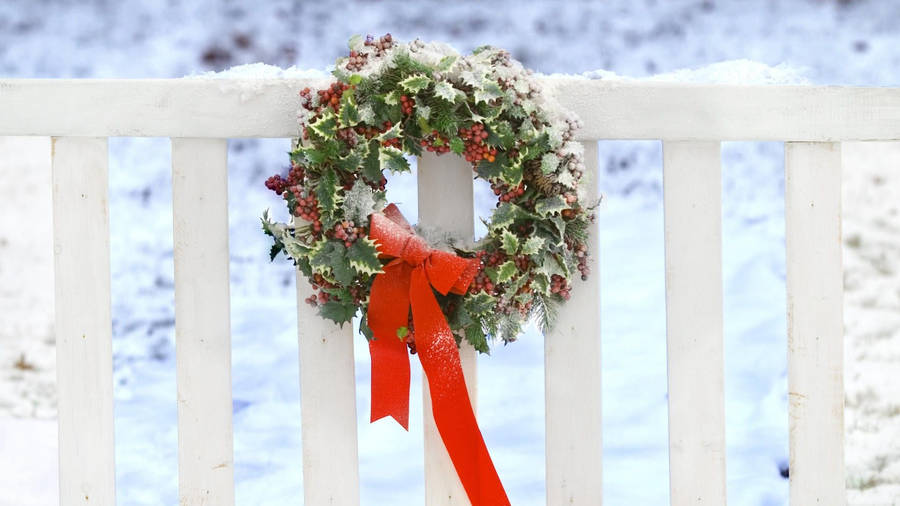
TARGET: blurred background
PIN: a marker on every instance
(849, 42)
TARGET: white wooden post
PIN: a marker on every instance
(446, 200)
(83, 321)
(574, 445)
(815, 322)
(202, 321)
(693, 240)
(327, 406)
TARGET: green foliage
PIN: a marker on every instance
(338, 312)
(550, 205)
(510, 242)
(415, 83)
(363, 256)
(393, 160)
(329, 198)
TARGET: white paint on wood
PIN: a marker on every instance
(446, 194)
(815, 322)
(202, 322)
(327, 406)
(692, 181)
(222, 108)
(572, 383)
(83, 321)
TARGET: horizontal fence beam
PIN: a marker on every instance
(196, 107)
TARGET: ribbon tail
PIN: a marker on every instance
(388, 311)
(452, 410)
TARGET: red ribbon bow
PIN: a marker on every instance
(407, 283)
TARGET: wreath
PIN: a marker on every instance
(393, 99)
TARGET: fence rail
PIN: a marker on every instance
(691, 120)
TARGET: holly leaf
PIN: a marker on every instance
(446, 62)
(348, 113)
(327, 193)
(340, 268)
(277, 248)
(363, 256)
(510, 242)
(504, 215)
(476, 337)
(550, 205)
(359, 202)
(371, 166)
(512, 172)
(503, 273)
(541, 283)
(393, 160)
(338, 312)
(402, 332)
(351, 162)
(325, 126)
(489, 90)
(492, 170)
(364, 328)
(549, 163)
(415, 83)
(445, 91)
(480, 304)
(533, 245)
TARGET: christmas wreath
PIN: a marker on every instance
(394, 99)
(391, 100)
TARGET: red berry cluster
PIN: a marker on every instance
(560, 286)
(475, 148)
(369, 131)
(348, 135)
(321, 297)
(506, 192)
(582, 256)
(356, 61)
(407, 104)
(348, 232)
(278, 184)
(332, 95)
(436, 143)
(306, 100)
(381, 45)
(307, 208)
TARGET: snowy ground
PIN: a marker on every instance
(839, 42)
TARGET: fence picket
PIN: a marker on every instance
(572, 383)
(446, 200)
(815, 322)
(693, 240)
(202, 321)
(83, 321)
(327, 406)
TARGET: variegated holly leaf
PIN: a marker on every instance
(550, 205)
(489, 90)
(502, 273)
(532, 245)
(329, 198)
(510, 242)
(445, 91)
(363, 256)
(393, 160)
(415, 83)
(325, 126)
(549, 163)
(348, 113)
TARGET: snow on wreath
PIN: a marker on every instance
(391, 99)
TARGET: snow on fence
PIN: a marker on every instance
(691, 120)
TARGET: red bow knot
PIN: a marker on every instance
(406, 284)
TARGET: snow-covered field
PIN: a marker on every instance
(837, 42)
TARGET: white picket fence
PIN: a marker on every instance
(691, 120)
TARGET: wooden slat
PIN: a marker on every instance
(222, 108)
(693, 238)
(202, 321)
(815, 322)
(327, 407)
(83, 321)
(572, 383)
(446, 201)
